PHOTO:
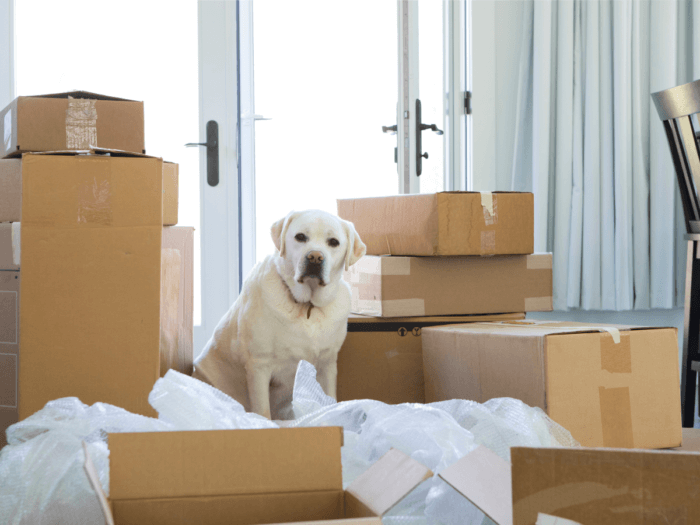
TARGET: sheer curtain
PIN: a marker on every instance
(589, 144)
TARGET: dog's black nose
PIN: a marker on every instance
(315, 257)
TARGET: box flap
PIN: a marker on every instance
(93, 151)
(387, 482)
(529, 328)
(484, 479)
(81, 94)
(224, 462)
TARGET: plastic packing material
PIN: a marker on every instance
(436, 434)
(42, 477)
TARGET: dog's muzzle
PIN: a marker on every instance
(313, 267)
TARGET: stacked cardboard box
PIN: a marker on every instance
(458, 253)
(436, 259)
(87, 227)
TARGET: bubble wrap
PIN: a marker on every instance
(42, 480)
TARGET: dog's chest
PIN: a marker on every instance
(309, 334)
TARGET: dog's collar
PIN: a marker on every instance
(311, 305)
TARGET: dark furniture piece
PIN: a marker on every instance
(676, 107)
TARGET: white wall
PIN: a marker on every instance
(7, 53)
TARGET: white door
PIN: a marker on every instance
(180, 58)
(329, 76)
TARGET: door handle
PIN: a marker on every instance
(212, 145)
(420, 127)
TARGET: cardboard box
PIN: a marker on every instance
(11, 189)
(580, 486)
(424, 286)
(382, 359)
(176, 315)
(244, 477)
(605, 487)
(612, 386)
(9, 349)
(176, 300)
(171, 174)
(75, 120)
(91, 270)
(446, 223)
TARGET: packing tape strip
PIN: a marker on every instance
(16, 243)
(614, 332)
(97, 486)
(81, 123)
(616, 417)
(546, 519)
(488, 242)
(489, 206)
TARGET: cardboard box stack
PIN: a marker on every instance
(429, 263)
(469, 253)
(95, 279)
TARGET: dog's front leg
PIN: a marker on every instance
(259, 377)
(328, 378)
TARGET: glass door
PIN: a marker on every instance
(330, 78)
(173, 55)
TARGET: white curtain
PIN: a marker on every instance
(591, 147)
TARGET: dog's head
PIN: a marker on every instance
(317, 245)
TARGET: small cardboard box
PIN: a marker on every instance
(425, 286)
(382, 358)
(246, 477)
(75, 120)
(176, 314)
(446, 223)
(612, 386)
(91, 272)
(11, 189)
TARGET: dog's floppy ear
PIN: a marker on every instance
(356, 248)
(279, 231)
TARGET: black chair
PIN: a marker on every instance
(676, 107)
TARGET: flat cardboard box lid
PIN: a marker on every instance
(94, 151)
(81, 94)
(359, 318)
(224, 462)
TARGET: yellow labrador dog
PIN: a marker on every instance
(294, 305)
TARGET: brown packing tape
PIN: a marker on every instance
(616, 357)
(616, 417)
(81, 123)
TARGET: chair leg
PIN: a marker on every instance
(691, 335)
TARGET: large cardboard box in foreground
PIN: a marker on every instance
(91, 273)
(11, 189)
(425, 286)
(382, 358)
(71, 121)
(605, 487)
(245, 477)
(176, 348)
(612, 386)
(446, 223)
(580, 486)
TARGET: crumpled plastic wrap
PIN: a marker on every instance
(436, 434)
(42, 480)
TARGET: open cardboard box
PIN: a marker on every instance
(582, 486)
(245, 477)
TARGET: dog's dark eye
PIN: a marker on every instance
(301, 237)
(333, 242)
